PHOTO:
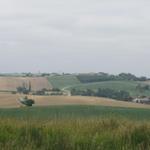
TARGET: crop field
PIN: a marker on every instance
(129, 86)
(63, 81)
(11, 83)
(11, 101)
(76, 112)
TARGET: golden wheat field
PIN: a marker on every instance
(11, 83)
(8, 100)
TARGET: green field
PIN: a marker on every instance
(63, 81)
(76, 111)
(129, 86)
(74, 128)
(68, 82)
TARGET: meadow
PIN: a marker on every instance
(74, 128)
(63, 81)
(129, 86)
(67, 82)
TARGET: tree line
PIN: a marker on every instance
(108, 93)
(97, 77)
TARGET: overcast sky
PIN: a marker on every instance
(75, 36)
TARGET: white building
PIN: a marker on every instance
(142, 100)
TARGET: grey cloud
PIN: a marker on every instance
(75, 36)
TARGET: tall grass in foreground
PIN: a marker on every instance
(75, 134)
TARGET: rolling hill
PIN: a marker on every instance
(129, 86)
(11, 101)
(68, 82)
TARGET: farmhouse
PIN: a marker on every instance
(145, 100)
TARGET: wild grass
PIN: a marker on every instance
(75, 134)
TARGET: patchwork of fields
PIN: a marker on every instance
(65, 82)
(71, 122)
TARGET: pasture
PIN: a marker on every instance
(129, 86)
(63, 81)
(68, 82)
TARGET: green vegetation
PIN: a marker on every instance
(128, 86)
(25, 89)
(98, 77)
(62, 81)
(126, 82)
(26, 101)
(74, 128)
(76, 111)
(123, 82)
(83, 134)
(53, 91)
(109, 93)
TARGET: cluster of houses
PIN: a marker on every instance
(142, 100)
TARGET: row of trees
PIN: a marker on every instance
(97, 77)
(142, 88)
(53, 91)
(109, 93)
(25, 89)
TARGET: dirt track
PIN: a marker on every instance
(10, 101)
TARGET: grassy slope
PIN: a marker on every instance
(71, 81)
(63, 81)
(129, 86)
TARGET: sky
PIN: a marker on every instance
(75, 36)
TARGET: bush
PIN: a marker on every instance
(14, 92)
(30, 102)
(27, 102)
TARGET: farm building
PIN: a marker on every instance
(145, 100)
